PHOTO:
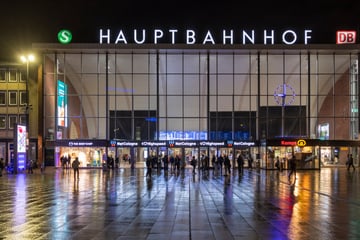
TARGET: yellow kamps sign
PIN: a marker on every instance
(301, 143)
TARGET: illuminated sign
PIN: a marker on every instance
(152, 144)
(62, 104)
(182, 135)
(248, 144)
(345, 37)
(324, 131)
(64, 36)
(81, 143)
(212, 144)
(20, 147)
(182, 144)
(190, 36)
(288, 143)
(301, 143)
(127, 144)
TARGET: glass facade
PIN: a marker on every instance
(212, 95)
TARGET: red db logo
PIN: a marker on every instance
(345, 37)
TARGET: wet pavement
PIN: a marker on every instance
(124, 204)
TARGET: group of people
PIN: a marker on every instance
(176, 163)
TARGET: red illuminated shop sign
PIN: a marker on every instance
(288, 143)
(299, 143)
(345, 37)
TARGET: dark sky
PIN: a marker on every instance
(25, 22)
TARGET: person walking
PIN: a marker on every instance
(277, 163)
(227, 165)
(250, 162)
(292, 165)
(350, 162)
(75, 165)
(193, 163)
(2, 166)
(240, 163)
(149, 167)
(220, 163)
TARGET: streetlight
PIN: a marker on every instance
(27, 59)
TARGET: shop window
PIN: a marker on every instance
(12, 98)
(2, 97)
(12, 75)
(2, 75)
(2, 121)
(12, 121)
(23, 99)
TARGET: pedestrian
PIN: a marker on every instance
(292, 165)
(172, 163)
(220, 162)
(2, 165)
(149, 167)
(227, 165)
(193, 163)
(30, 166)
(250, 161)
(75, 165)
(166, 162)
(240, 163)
(277, 163)
(350, 162)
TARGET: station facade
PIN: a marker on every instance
(133, 99)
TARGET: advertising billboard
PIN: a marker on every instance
(62, 104)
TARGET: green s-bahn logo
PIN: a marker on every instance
(64, 36)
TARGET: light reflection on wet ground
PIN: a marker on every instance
(124, 204)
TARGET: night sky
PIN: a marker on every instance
(27, 22)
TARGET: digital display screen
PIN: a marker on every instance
(182, 135)
(21, 146)
(62, 104)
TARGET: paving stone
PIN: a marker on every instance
(124, 204)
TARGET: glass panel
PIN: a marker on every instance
(242, 85)
(174, 84)
(325, 64)
(23, 100)
(123, 63)
(141, 85)
(225, 103)
(12, 75)
(2, 97)
(225, 63)
(141, 103)
(141, 63)
(2, 75)
(275, 64)
(2, 122)
(90, 84)
(242, 64)
(174, 63)
(191, 106)
(174, 106)
(191, 124)
(12, 98)
(12, 121)
(124, 84)
(191, 64)
(89, 63)
(225, 84)
(191, 84)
